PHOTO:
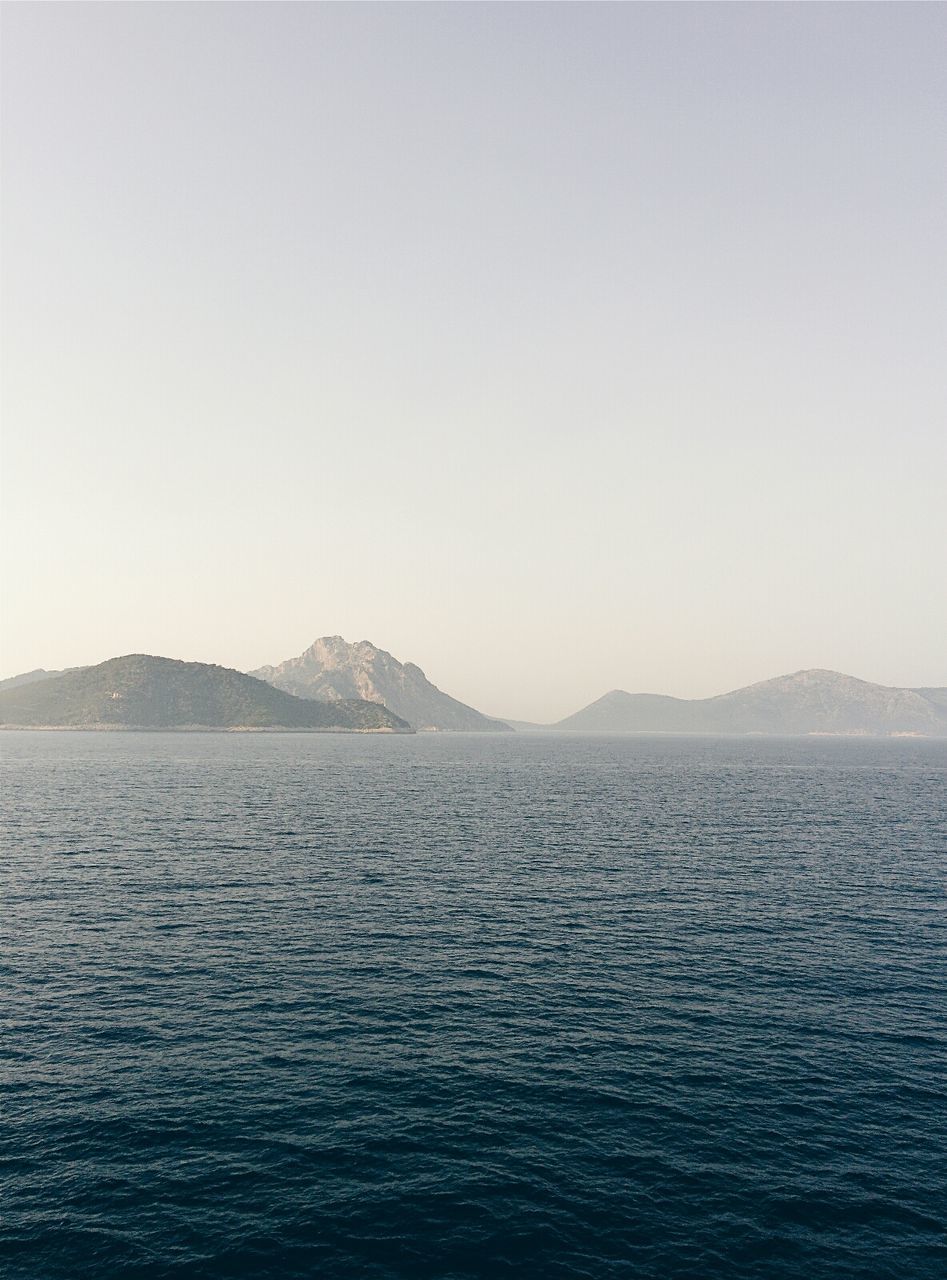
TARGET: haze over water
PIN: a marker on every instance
(472, 1007)
(556, 348)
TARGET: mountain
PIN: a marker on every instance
(813, 701)
(333, 668)
(31, 677)
(642, 712)
(143, 692)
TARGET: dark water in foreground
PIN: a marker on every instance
(299, 1006)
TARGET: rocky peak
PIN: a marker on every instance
(333, 668)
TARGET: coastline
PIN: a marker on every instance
(193, 728)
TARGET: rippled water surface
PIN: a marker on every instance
(472, 1006)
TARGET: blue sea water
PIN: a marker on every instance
(472, 1007)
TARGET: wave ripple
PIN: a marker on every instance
(472, 1007)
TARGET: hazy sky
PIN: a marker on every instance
(556, 348)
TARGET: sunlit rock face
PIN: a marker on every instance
(333, 668)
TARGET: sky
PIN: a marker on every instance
(555, 348)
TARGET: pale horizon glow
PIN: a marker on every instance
(554, 348)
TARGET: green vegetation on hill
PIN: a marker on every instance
(31, 677)
(139, 691)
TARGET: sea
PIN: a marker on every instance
(469, 1007)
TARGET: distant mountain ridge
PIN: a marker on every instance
(334, 672)
(805, 702)
(139, 691)
(333, 668)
